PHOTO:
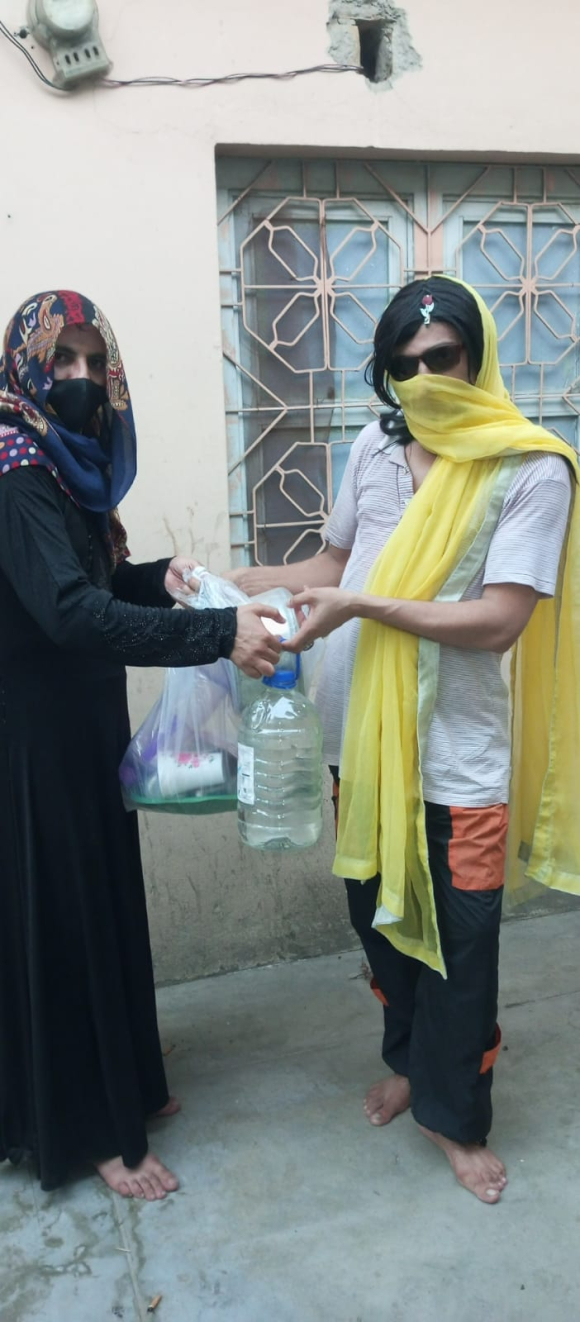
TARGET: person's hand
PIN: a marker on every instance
(235, 576)
(256, 650)
(328, 608)
(174, 581)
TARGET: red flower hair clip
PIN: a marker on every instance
(427, 308)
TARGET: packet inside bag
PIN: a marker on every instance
(183, 759)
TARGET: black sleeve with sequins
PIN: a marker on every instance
(44, 570)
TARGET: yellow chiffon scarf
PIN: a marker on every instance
(435, 552)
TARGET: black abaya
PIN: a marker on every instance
(80, 1059)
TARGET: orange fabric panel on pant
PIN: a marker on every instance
(489, 1057)
(377, 992)
(477, 847)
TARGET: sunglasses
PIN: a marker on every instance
(442, 358)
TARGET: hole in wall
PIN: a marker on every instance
(375, 36)
(371, 36)
(376, 52)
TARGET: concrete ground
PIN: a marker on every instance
(292, 1208)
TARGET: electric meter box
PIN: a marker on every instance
(69, 29)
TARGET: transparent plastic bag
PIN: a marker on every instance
(216, 592)
(183, 758)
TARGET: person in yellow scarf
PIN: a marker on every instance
(459, 525)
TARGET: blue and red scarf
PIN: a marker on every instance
(95, 471)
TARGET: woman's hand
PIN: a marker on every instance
(174, 581)
(328, 608)
(256, 650)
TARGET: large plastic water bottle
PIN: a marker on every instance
(280, 765)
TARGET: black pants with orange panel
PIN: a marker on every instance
(442, 1033)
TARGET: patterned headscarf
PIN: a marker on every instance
(96, 471)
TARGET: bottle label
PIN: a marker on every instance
(246, 793)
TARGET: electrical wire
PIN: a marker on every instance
(229, 77)
(5, 32)
(160, 81)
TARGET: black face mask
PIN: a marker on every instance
(76, 401)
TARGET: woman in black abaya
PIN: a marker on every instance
(80, 1060)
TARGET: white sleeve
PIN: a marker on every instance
(341, 526)
(527, 543)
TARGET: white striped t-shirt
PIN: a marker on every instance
(467, 761)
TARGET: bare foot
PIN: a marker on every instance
(150, 1179)
(476, 1168)
(387, 1099)
(171, 1108)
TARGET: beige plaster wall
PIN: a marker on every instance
(113, 192)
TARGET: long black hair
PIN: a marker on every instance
(452, 303)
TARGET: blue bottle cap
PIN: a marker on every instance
(284, 677)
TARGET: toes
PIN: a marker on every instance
(497, 1176)
(490, 1196)
(147, 1187)
(157, 1186)
(169, 1182)
(374, 1095)
(152, 1181)
(166, 1178)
